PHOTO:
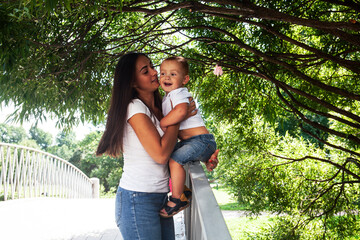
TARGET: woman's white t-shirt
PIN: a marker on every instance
(141, 173)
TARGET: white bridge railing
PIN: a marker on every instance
(203, 220)
(27, 172)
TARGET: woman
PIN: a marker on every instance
(133, 129)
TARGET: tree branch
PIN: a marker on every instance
(328, 115)
(329, 144)
(317, 125)
(338, 166)
(287, 66)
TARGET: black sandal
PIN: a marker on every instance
(181, 204)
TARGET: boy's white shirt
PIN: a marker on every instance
(175, 97)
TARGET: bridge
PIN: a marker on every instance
(46, 197)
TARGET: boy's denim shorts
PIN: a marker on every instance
(197, 148)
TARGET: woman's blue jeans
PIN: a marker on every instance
(137, 216)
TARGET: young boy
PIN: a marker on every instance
(196, 142)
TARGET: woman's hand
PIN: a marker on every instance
(191, 109)
(213, 161)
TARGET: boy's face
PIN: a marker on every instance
(172, 76)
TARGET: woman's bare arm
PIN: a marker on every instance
(159, 148)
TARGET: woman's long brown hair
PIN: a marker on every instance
(123, 93)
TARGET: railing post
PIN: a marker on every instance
(187, 212)
(95, 187)
(203, 220)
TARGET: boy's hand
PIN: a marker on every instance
(213, 161)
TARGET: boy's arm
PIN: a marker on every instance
(176, 115)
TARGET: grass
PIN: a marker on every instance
(226, 201)
(239, 227)
(244, 228)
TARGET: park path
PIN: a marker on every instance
(64, 219)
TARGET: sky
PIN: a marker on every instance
(49, 126)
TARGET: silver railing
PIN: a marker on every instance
(203, 220)
(27, 172)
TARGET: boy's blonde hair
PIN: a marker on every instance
(183, 62)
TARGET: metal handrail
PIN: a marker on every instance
(28, 172)
(203, 220)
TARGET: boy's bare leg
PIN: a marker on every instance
(178, 175)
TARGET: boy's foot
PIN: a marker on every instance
(174, 206)
(212, 162)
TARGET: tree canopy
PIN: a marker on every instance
(278, 56)
(291, 71)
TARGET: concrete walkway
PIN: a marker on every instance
(68, 219)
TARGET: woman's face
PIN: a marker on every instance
(146, 78)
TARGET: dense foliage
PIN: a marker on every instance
(285, 111)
